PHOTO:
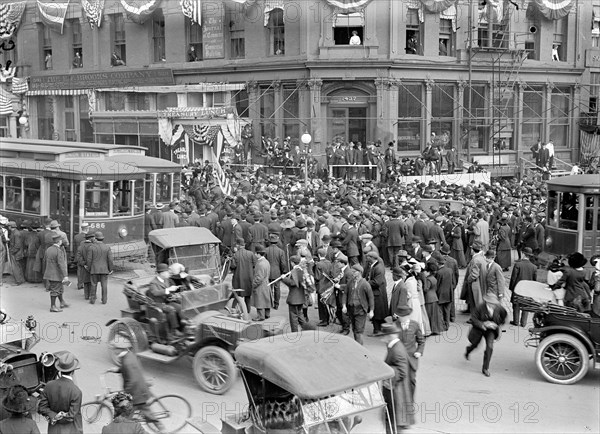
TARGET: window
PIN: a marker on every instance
(149, 184)
(4, 131)
(475, 128)
(446, 42)
(118, 36)
(76, 49)
(158, 36)
(532, 39)
(442, 112)
(97, 199)
(163, 187)
(348, 29)
(138, 101)
(46, 47)
(193, 36)
(291, 112)
(32, 195)
(114, 101)
(493, 29)
(559, 116)
(276, 33)
(413, 33)
(14, 198)
(569, 211)
(121, 197)
(138, 197)
(267, 112)
(409, 117)
(45, 110)
(238, 48)
(242, 103)
(552, 208)
(532, 114)
(164, 100)
(559, 43)
(86, 133)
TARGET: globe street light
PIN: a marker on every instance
(306, 139)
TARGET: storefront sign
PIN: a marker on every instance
(81, 154)
(126, 151)
(98, 80)
(349, 99)
(592, 58)
(180, 153)
(213, 42)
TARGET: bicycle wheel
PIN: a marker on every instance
(97, 413)
(171, 413)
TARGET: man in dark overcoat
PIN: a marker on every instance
(78, 239)
(242, 264)
(523, 270)
(357, 302)
(394, 231)
(296, 297)
(100, 264)
(375, 275)
(412, 337)
(56, 272)
(323, 280)
(83, 252)
(445, 290)
(60, 400)
(279, 265)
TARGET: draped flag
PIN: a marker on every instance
(346, 6)
(53, 14)
(6, 107)
(93, 10)
(205, 134)
(436, 6)
(271, 5)
(590, 146)
(177, 136)
(10, 18)
(139, 11)
(192, 9)
(554, 9)
(19, 85)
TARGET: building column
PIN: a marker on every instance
(316, 119)
(546, 107)
(520, 147)
(393, 92)
(459, 110)
(254, 108)
(575, 109)
(278, 109)
(384, 122)
(429, 83)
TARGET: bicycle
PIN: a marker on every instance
(172, 411)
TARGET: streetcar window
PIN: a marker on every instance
(121, 198)
(97, 199)
(14, 197)
(2, 192)
(569, 213)
(32, 195)
(163, 187)
(589, 213)
(149, 181)
(552, 208)
(176, 185)
(138, 197)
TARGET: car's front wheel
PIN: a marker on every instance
(562, 359)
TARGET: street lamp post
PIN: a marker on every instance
(306, 139)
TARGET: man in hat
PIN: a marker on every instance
(18, 405)
(99, 263)
(257, 232)
(322, 272)
(436, 233)
(242, 264)
(60, 400)
(475, 279)
(494, 278)
(8, 379)
(55, 226)
(486, 320)
(15, 249)
(399, 296)
(375, 275)
(412, 337)
(78, 239)
(481, 231)
(504, 246)
(523, 270)
(158, 290)
(56, 273)
(31, 246)
(341, 274)
(122, 404)
(169, 217)
(527, 236)
(416, 250)
(83, 253)
(296, 297)
(394, 231)
(46, 240)
(279, 265)
(350, 241)
(446, 283)
(357, 302)
(397, 391)
(261, 291)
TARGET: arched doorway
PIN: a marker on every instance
(348, 116)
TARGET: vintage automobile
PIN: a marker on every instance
(215, 317)
(567, 341)
(310, 383)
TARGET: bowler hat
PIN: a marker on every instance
(66, 362)
(415, 239)
(445, 249)
(404, 310)
(161, 268)
(18, 400)
(259, 248)
(99, 236)
(336, 244)
(240, 241)
(54, 224)
(89, 235)
(431, 241)
(576, 260)
(300, 223)
(389, 329)
(527, 251)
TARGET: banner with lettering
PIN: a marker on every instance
(10, 18)
(93, 10)
(139, 11)
(53, 14)
(554, 9)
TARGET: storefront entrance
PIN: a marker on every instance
(348, 124)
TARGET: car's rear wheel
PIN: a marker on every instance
(214, 369)
(562, 359)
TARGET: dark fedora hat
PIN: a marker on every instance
(389, 329)
(162, 267)
(445, 249)
(18, 400)
(99, 235)
(404, 310)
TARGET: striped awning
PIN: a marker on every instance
(57, 92)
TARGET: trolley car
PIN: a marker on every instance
(103, 185)
(573, 215)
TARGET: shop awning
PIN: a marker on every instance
(554, 9)
(57, 92)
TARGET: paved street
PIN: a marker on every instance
(452, 394)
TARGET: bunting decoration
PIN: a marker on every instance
(19, 85)
(590, 145)
(10, 18)
(6, 73)
(53, 14)
(436, 6)
(6, 107)
(139, 11)
(192, 9)
(205, 134)
(449, 14)
(272, 5)
(554, 9)
(93, 10)
(493, 8)
(347, 6)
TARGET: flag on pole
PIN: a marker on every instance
(192, 9)
(6, 107)
(53, 14)
(19, 85)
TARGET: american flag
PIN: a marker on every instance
(192, 9)
(19, 85)
(6, 107)
(205, 134)
(53, 14)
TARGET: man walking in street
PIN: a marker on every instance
(357, 302)
(242, 264)
(77, 242)
(100, 264)
(83, 253)
(523, 270)
(279, 265)
(494, 278)
(261, 291)
(411, 336)
(56, 272)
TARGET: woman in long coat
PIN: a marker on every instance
(456, 244)
(504, 248)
